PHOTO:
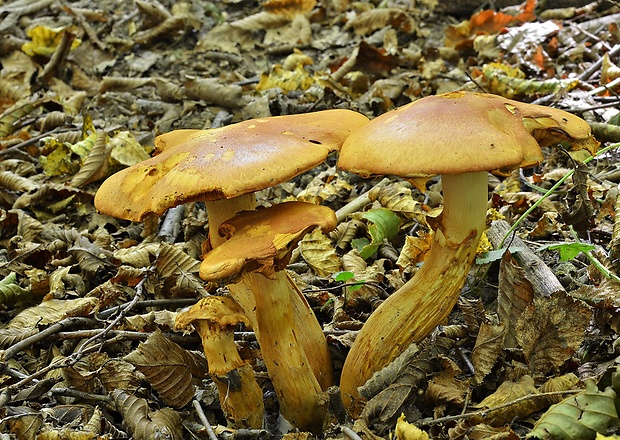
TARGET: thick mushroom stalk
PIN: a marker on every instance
(428, 298)
(252, 260)
(241, 399)
(460, 136)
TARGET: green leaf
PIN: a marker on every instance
(568, 251)
(580, 416)
(343, 276)
(615, 120)
(384, 225)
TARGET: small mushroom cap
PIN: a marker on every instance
(218, 312)
(460, 132)
(262, 240)
(225, 162)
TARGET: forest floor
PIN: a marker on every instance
(88, 302)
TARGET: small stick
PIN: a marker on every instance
(203, 419)
(350, 434)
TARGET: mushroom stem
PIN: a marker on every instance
(302, 323)
(426, 300)
(221, 210)
(241, 398)
(301, 398)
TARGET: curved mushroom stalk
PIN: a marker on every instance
(427, 299)
(258, 247)
(311, 337)
(241, 399)
(302, 400)
(468, 134)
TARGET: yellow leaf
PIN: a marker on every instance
(45, 40)
(407, 431)
(126, 149)
(286, 80)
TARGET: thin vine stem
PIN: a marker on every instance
(552, 190)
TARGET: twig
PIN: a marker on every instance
(353, 206)
(179, 302)
(124, 335)
(171, 225)
(336, 404)
(597, 65)
(204, 420)
(70, 392)
(350, 434)
(485, 412)
(31, 340)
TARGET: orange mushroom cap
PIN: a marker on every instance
(262, 240)
(225, 162)
(460, 132)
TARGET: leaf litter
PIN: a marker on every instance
(88, 302)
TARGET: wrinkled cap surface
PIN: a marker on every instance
(219, 312)
(225, 162)
(262, 240)
(460, 132)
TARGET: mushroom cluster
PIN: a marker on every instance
(223, 168)
(460, 136)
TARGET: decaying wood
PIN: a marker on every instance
(537, 272)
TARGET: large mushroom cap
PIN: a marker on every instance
(262, 240)
(460, 132)
(225, 162)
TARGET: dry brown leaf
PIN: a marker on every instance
(446, 386)
(486, 432)
(83, 375)
(560, 383)
(317, 250)
(260, 21)
(52, 311)
(489, 345)
(373, 19)
(15, 182)
(141, 255)
(213, 91)
(414, 250)
(144, 423)
(398, 197)
(551, 330)
(323, 188)
(95, 166)
(23, 426)
(168, 368)
(288, 8)
(508, 392)
(171, 260)
(162, 318)
(118, 374)
(515, 294)
(345, 232)
(298, 31)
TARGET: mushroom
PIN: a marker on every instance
(224, 167)
(258, 248)
(215, 319)
(460, 136)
